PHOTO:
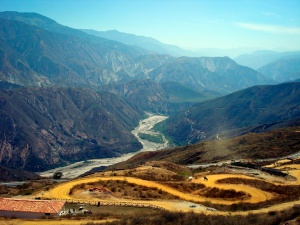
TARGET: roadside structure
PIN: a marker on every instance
(28, 208)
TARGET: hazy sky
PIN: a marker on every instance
(267, 24)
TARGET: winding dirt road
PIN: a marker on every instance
(62, 191)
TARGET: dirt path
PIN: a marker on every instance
(256, 194)
(186, 200)
(62, 190)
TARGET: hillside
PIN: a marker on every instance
(276, 143)
(42, 128)
(243, 109)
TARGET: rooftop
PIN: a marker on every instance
(28, 205)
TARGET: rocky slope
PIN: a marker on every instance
(46, 127)
(30, 55)
(165, 98)
(220, 74)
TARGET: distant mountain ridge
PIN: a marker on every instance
(41, 58)
(284, 69)
(220, 74)
(261, 58)
(40, 52)
(148, 43)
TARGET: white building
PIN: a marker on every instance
(27, 208)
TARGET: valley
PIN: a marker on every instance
(128, 130)
(145, 126)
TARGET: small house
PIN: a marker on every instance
(27, 208)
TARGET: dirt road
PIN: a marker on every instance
(186, 200)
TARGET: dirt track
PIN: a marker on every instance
(62, 191)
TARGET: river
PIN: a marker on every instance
(78, 168)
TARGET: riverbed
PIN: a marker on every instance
(76, 169)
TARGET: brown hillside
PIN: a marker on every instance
(278, 143)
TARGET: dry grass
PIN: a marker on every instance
(185, 186)
(230, 194)
(26, 188)
(121, 189)
(171, 218)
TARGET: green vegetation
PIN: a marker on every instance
(178, 93)
(156, 138)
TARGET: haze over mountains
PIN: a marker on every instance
(67, 95)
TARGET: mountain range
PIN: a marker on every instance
(282, 70)
(32, 55)
(220, 74)
(68, 95)
(261, 58)
(150, 44)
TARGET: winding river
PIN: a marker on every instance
(145, 126)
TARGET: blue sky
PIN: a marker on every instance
(193, 24)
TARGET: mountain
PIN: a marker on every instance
(37, 20)
(6, 85)
(42, 128)
(32, 56)
(165, 98)
(261, 58)
(37, 51)
(147, 43)
(244, 109)
(283, 69)
(219, 74)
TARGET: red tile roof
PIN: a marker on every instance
(27, 205)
